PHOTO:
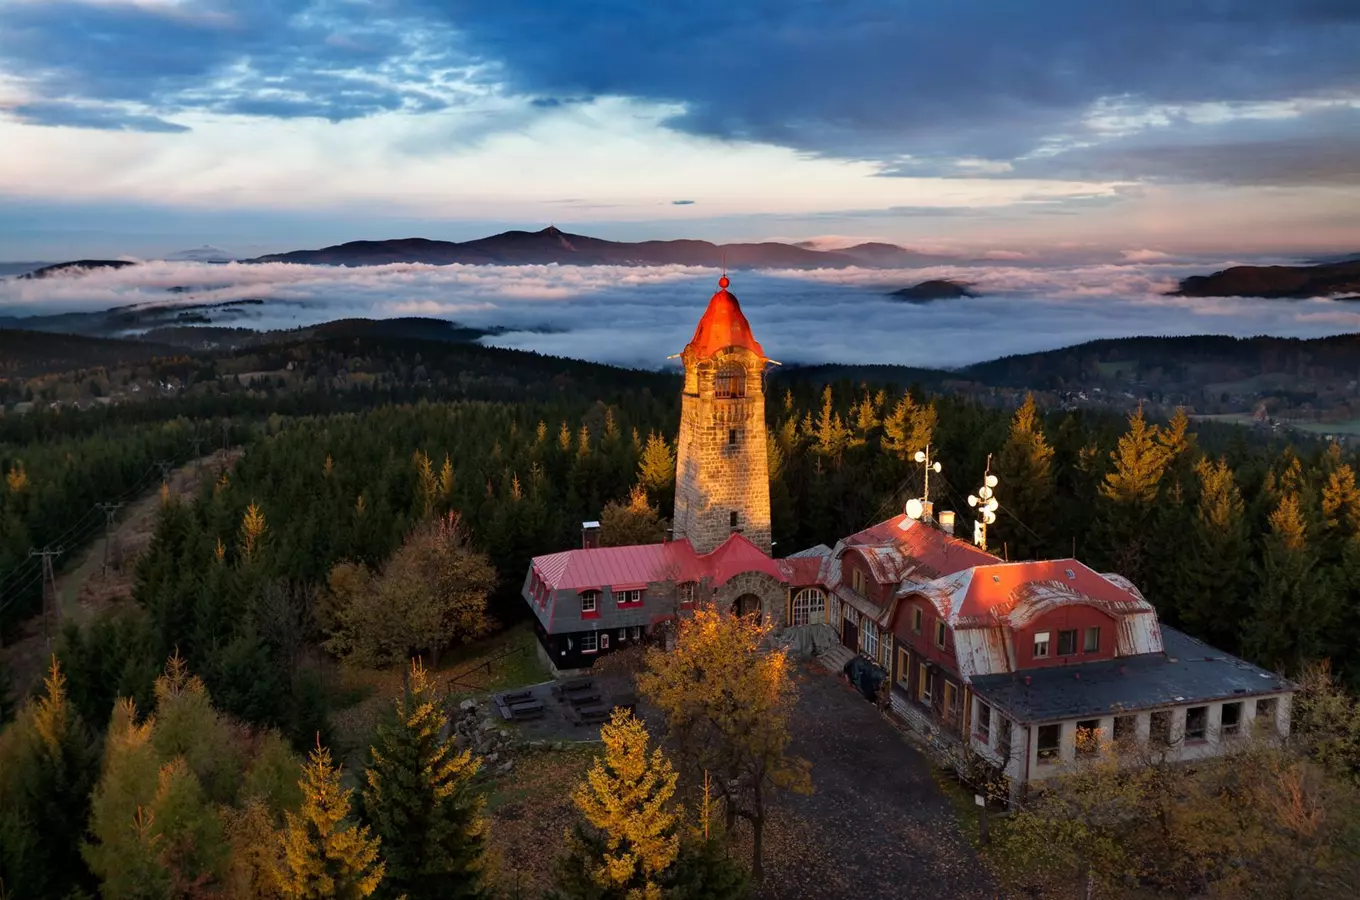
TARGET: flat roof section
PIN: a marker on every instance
(1188, 671)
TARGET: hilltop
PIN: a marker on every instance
(553, 246)
(1285, 282)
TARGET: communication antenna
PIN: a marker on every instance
(923, 456)
(985, 502)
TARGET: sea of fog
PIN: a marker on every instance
(639, 316)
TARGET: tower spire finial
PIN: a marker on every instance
(723, 282)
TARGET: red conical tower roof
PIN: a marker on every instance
(723, 326)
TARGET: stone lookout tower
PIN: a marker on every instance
(722, 479)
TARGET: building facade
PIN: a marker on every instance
(1028, 664)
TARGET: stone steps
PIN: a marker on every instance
(835, 657)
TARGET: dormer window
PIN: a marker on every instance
(590, 603)
(1041, 645)
(940, 634)
(628, 598)
(859, 583)
(687, 591)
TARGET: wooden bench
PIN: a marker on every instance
(591, 715)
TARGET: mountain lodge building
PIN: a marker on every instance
(1015, 660)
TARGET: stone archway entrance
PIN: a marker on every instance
(746, 604)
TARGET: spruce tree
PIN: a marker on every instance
(326, 856)
(1025, 469)
(1216, 561)
(419, 800)
(1127, 499)
(1294, 609)
(47, 769)
(627, 799)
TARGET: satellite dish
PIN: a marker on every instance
(915, 508)
(920, 456)
(936, 467)
(992, 505)
(972, 500)
(985, 493)
(991, 481)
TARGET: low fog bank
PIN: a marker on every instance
(638, 316)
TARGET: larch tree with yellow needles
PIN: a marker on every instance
(727, 697)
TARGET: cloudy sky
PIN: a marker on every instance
(147, 126)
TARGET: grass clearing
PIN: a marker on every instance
(361, 698)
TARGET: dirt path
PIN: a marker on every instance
(85, 588)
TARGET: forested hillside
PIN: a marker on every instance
(453, 464)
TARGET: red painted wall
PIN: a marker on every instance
(852, 561)
(924, 643)
(1063, 618)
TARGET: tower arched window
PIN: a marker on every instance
(809, 607)
(730, 381)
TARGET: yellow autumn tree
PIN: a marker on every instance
(324, 854)
(627, 796)
(427, 482)
(446, 480)
(253, 528)
(17, 479)
(727, 696)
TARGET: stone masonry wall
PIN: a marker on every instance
(715, 477)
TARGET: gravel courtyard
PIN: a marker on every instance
(876, 825)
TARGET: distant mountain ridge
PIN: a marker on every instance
(1284, 282)
(551, 245)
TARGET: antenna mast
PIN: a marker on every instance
(986, 504)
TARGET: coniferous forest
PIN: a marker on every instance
(178, 742)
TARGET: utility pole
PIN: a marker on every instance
(109, 510)
(197, 441)
(226, 439)
(49, 587)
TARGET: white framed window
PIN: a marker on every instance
(809, 607)
(868, 638)
(1230, 721)
(1041, 645)
(687, 591)
(1050, 744)
(589, 642)
(590, 601)
(623, 635)
(628, 598)
(637, 632)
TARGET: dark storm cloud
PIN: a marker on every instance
(879, 79)
(927, 87)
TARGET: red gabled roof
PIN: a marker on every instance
(723, 326)
(601, 567)
(902, 547)
(1015, 591)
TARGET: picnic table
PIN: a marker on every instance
(584, 699)
(578, 686)
(520, 705)
(591, 715)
